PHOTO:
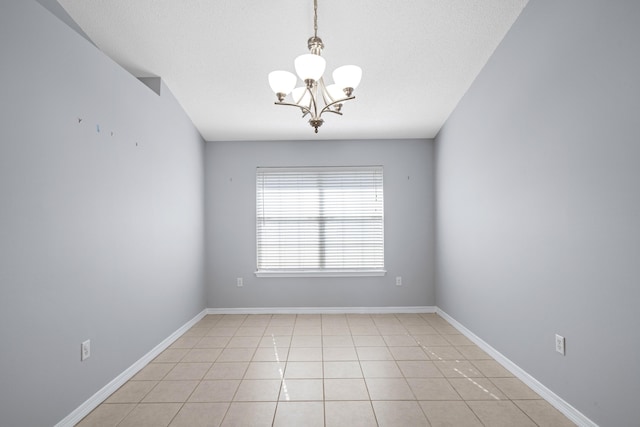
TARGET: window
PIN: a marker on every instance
(320, 221)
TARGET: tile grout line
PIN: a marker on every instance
(324, 396)
(282, 374)
(226, 412)
(373, 410)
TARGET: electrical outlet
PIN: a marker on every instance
(398, 280)
(85, 350)
(239, 282)
(560, 344)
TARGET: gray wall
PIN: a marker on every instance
(230, 220)
(99, 238)
(538, 203)
(57, 10)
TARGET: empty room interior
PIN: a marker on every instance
(489, 167)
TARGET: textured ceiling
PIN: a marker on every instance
(418, 57)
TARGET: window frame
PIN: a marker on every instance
(322, 272)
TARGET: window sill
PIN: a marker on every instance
(321, 273)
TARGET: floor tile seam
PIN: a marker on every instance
(505, 393)
(415, 398)
(524, 412)
(373, 410)
(141, 398)
(125, 417)
(176, 414)
(150, 403)
(454, 389)
(133, 406)
(183, 401)
(444, 373)
(466, 403)
(273, 420)
(324, 395)
(302, 400)
(423, 411)
(251, 401)
(503, 400)
(471, 400)
(497, 399)
(226, 413)
(364, 380)
(513, 400)
(167, 373)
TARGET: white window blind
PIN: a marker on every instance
(320, 220)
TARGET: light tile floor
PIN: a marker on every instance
(324, 370)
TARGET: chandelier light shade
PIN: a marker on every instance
(310, 67)
(282, 82)
(347, 77)
(314, 98)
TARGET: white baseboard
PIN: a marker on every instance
(322, 310)
(83, 410)
(561, 405)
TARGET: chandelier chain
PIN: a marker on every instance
(315, 18)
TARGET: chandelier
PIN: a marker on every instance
(310, 68)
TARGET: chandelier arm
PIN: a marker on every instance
(328, 106)
(331, 111)
(326, 96)
(313, 100)
(304, 109)
(297, 101)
